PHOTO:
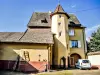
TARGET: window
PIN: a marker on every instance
(60, 33)
(44, 21)
(26, 55)
(59, 16)
(71, 32)
(75, 44)
(59, 23)
(85, 61)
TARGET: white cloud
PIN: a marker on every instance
(73, 6)
(90, 30)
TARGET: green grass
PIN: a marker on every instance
(57, 73)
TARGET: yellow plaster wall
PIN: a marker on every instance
(60, 42)
(78, 36)
(10, 52)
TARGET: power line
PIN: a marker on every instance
(86, 9)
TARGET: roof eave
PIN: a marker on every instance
(24, 42)
(39, 26)
(60, 13)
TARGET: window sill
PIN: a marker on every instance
(71, 35)
(75, 47)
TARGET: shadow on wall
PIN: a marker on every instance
(59, 57)
(11, 60)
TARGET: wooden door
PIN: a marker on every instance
(71, 61)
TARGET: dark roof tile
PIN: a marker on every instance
(10, 36)
(37, 18)
(43, 36)
(38, 36)
(73, 19)
(59, 9)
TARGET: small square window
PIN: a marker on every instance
(59, 16)
(71, 32)
(59, 23)
(60, 33)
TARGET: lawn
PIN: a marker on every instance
(57, 73)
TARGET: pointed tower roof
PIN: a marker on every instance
(60, 10)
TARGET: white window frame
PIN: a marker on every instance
(71, 32)
(78, 45)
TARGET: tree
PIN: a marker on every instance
(94, 44)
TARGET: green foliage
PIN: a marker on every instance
(94, 44)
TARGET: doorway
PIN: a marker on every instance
(73, 59)
(63, 63)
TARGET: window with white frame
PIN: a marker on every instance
(75, 44)
(71, 32)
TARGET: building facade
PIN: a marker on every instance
(52, 40)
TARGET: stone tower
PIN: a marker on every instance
(59, 28)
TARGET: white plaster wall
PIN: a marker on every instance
(54, 27)
(94, 59)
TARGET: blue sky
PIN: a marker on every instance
(15, 14)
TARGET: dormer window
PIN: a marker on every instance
(44, 21)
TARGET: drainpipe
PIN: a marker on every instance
(84, 40)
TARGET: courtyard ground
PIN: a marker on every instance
(64, 72)
(73, 72)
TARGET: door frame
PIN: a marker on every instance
(71, 61)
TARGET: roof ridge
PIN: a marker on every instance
(23, 35)
(11, 32)
(40, 12)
